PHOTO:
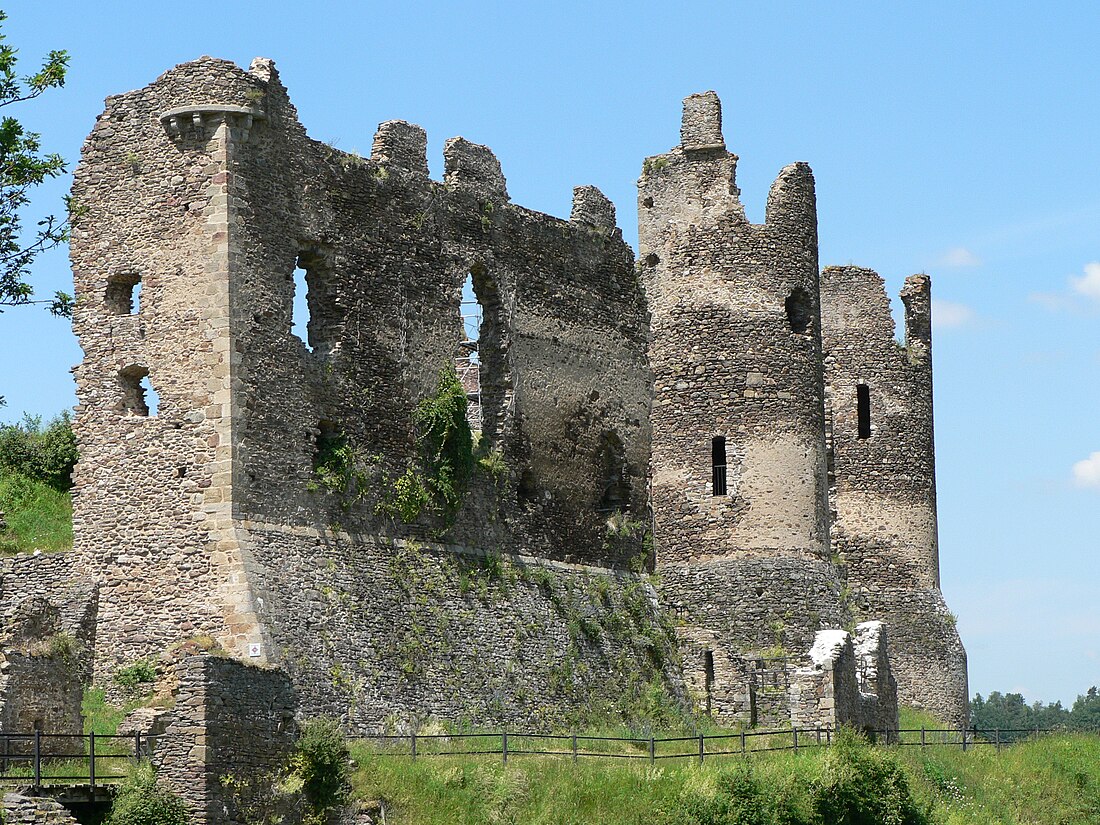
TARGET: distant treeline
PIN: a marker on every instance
(1009, 711)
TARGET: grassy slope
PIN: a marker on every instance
(1054, 779)
(38, 516)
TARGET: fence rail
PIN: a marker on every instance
(40, 759)
(508, 744)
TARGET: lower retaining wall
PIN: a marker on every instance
(387, 635)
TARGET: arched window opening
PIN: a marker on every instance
(138, 396)
(718, 465)
(800, 310)
(124, 294)
(863, 410)
(480, 354)
(614, 477)
(467, 356)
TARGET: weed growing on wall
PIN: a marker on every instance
(139, 673)
(320, 761)
(311, 789)
(446, 447)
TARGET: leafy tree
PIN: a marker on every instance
(23, 166)
(1086, 711)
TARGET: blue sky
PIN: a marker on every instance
(945, 137)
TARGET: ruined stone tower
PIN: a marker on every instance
(739, 491)
(883, 480)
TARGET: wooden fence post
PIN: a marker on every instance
(504, 747)
(701, 749)
(574, 747)
(412, 741)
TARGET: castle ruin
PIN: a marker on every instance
(719, 413)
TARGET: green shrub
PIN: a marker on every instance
(321, 763)
(861, 785)
(140, 672)
(141, 800)
(46, 454)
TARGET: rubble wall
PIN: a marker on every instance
(883, 482)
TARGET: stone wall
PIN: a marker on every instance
(47, 634)
(883, 483)
(847, 681)
(390, 634)
(34, 810)
(230, 719)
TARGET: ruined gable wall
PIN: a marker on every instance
(883, 486)
(752, 565)
(389, 251)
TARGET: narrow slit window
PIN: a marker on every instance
(718, 465)
(863, 409)
(299, 317)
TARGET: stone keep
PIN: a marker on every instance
(207, 513)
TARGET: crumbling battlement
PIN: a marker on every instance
(319, 503)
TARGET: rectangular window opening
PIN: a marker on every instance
(863, 410)
(718, 465)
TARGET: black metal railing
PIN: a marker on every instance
(40, 759)
(506, 744)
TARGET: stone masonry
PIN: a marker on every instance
(883, 480)
(664, 416)
(775, 514)
(47, 636)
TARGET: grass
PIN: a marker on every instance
(38, 516)
(1050, 779)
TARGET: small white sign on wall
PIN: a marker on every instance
(254, 650)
